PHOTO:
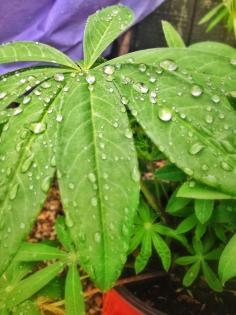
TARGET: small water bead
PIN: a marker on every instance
(135, 175)
(59, 77)
(169, 65)
(209, 119)
(232, 94)
(17, 111)
(215, 99)
(3, 95)
(46, 85)
(38, 128)
(165, 114)
(13, 192)
(124, 100)
(94, 201)
(109, 70)
(153, 100)
(205, 167)
(91, 79)
(71, 186)
(59, 118)
(26, 100)
(27, 163)
(22, 226)
(152, 79)
(233, 61)
(196, 91)
(140, 87)
(188, 171)
(97, 237)
(92, 177)
(196, 148)
(46, 184)
(142, 67)
(128, 134)
(226, 166)
(115, 125)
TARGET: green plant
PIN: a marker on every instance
(225, 11)
(84, 122)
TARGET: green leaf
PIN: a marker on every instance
(211, 278)
(145, 253)
(211, 13)
(175, 204)
(170, 173)
(187, 224)
(199, 191)
(219, 17)
(26, 167)
(74, 300)
(102, 29)
(200, 230)
(214, 48)
(63, 234)
(227, 263)
(162, 250)
(203, 209)
(186, 260)
(182, 102)
(33, 51)
(30, 285)
(191, 274)
(100, 196)
(38, 252)
(136, 239)
(26, 308)
(173, 39)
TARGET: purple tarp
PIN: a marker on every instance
(59, 23)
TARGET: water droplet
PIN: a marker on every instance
(71, 186)
(196, 148)
(128, 134)
(59, 77)
(46, 184)
(13, 192)
(165, 114)
(26, 100)
(232, 94)
(205, 167)
(109, 70)
(124, 100)
(188, 171)
(97, 237)
(27, 163)
(233, 61)
(17, 111)
(3, 95)
(209, 119)
(226, 166)
(38, 128)
(92, 177)
(135, 174)
(46, 85)
(215, 99)
(169, 65)
(142, 67)
(152, 79)
(90, 79)
(59, 118)
(140, 87)
(196, 91)
(22, 226)
(94, 201)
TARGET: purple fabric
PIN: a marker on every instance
(59, 23)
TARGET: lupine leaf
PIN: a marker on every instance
(173, 38)
(74, 300)
(191, 274)
(102, 28)
(203, 209)
(33, 51)
(227, 263)
(101, 195)
(63, 234)
(211, 277)
(162, 250)
(145, 253)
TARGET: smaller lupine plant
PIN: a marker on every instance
(96, 125)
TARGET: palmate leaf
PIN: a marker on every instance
(98, 176)
(27, 166)
(227, 269)
(33, 51)
(177, 105)
(102, 28)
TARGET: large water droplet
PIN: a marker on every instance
(226, 166)
(142, 67)
(26, 100)
(140, 87)
(38, 128)
(27, 163)
(196, 148)
(165, 114)
(59, 77)
(109, 70)
(3, 95)
(124, 100)
(91, 79)
(13, 192)
(17, 111)
(168, 65)
(196, 91)
(46, 184)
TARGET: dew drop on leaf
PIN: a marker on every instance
(188, 171)
(124, 100)
(90, 79)
(59, 77)
(92, 177)
(17, 111)
(142, 67)
(128, 134)
(3, 95)
(196, 91)
(46, 85)
(13, 192)
(226, 166)
(233, 61)
(196, 148)
(169, 65)
(59, 118)
(46, 184)
(215, 99)
(109, 70)
(26, 100)
(97, 237)
(38, 128)
(135, 174)
(165, 114)
(140, 87)
(209, 119)
(94, 201)
(27, 163)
